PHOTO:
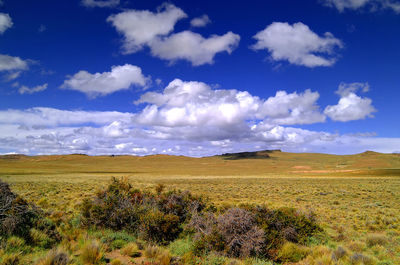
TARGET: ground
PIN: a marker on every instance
(354, 197)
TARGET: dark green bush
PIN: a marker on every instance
(159, 227)
(156, 217)
(19, 218)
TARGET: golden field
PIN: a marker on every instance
(356, 198)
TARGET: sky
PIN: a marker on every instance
(104, 77)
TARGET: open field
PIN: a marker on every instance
(354, 197)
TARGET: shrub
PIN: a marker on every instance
(15, 244)
(92, 253)
(240, 233)
(251, 231)
(156, 217)
(180, 247)
(131, 250)
(118, 244)
(40, 239)
(285, 224)
(291, 252)
(54, 257)
(159, 228)
(18, 218)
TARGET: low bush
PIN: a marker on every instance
(181, 246)
(253, 231)
(15, 244)
(19, 218)
(155, 217)
(159, 227)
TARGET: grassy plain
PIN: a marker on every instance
(356, 198)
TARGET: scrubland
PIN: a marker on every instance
(355, 200)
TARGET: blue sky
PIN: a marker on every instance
(149, 77)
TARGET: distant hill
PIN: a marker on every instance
(252, 164)
(249, 155)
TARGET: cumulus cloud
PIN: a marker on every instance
(142, 28)
(202, 112)
(193, 47)
(101, 84)
(297, 44)
(201, 21)
(5, 22)
(100, 3)
(292, 108)
(8, 63)
(371, 5)
(351, 106)
(36, 89)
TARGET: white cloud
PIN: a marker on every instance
(187, 118)
(202, 112)
(201, 21)
(141, 27)
(8, 63)
(100, 3)
(347, 88)
(13, 75)
(50, 117)
(297, 44)
(351, 106)
(5, 22)
(27, 90)
(193, 47)
(371, 5)
(101, 84)
(292, 108)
